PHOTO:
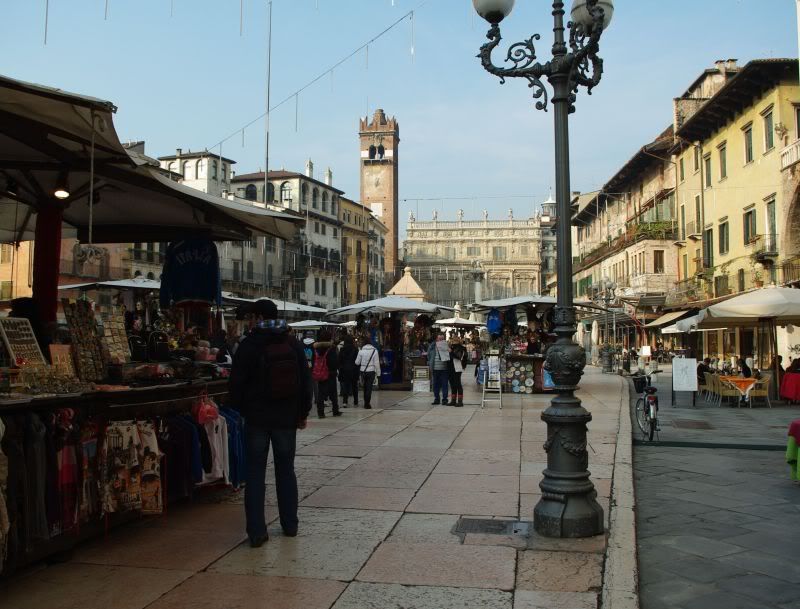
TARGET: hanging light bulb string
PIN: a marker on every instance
(291, 96)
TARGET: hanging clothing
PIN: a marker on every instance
(90, 496)
(150, 459)
(217, 432)
(793, 450)
(191, 273)
(36, 492)
(121, 474)
(5, 524)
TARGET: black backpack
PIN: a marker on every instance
(281, 374)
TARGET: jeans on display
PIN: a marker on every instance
(369, 381)
(440, 379)
(284, 442)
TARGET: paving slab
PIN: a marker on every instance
(427, 564)
(79, 586)
(359, 497)
(426, 528)
(465, 501)
(527, 599)
(216, 590)
(559, 571)
(361, 595)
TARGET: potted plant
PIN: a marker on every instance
(758, 279)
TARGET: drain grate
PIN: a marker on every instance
(690, 424)
(491, 527)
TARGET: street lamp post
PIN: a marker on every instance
(568, 506)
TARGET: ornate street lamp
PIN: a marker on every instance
(607, 289)
(568, 507)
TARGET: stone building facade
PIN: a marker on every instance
(503, 257)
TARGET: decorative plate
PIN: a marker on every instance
(529, 383)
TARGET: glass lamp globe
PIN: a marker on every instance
(580, 13)
(494, 11)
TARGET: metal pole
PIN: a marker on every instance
(266, 119)
(568, 507)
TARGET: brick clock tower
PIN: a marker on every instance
(379, 139)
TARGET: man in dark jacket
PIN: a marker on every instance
(324, 347)
(270, 385)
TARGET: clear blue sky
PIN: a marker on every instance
(189, 80)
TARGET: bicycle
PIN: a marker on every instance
(646, 404)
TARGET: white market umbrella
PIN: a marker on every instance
(781, 305)
(390, 304)
(458, 322)
(137, 283)
(310, 324)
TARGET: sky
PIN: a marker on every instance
(183, 75)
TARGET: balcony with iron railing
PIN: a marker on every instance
(99, 271)
(656, 231)
(766, 247)
(693, 230)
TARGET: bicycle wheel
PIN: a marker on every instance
(641, 415)
(652, 429)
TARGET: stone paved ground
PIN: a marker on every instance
(381, 492)
(717, 528)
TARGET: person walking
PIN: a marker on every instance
(458, 361)
(324, 365)
(368, 363)
(348, 375)
(270, 386)
(439, 363)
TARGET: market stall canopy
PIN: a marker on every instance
(524, 301)
(312, 325)
(390, 304)
(667, 318)
(137, 283)
(281, 304)
(458, 322)
(780, 305)
(46, 139)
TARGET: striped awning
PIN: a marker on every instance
(667, 318)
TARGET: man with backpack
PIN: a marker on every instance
(323, 371)
(271, 386)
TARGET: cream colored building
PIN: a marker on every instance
(447, 258)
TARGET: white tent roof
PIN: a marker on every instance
(390, 304)
(46, 132)
(311, 324)
(136, 283)
(458, 322)
(519, 301)
(282, 305)
(779, 304)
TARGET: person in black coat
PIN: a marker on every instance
(348, 375)
(270, 386)
(324, 347)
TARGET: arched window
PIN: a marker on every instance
(381, 151)
(224, 172)
(151, 276)
(200, 170)
(249, 270)
(137, 274)
(315, 198)
(270, 193)
(304, 193)
(171, 167)
(187, 170)
(214, 170)
(251, 192)
(286, 191)
(325, 201)
(372, 151)
(333, 205)
(269, 275)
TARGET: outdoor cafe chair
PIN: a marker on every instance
(727, 391)
(713, 389)
(705, 387)
(760, 390)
